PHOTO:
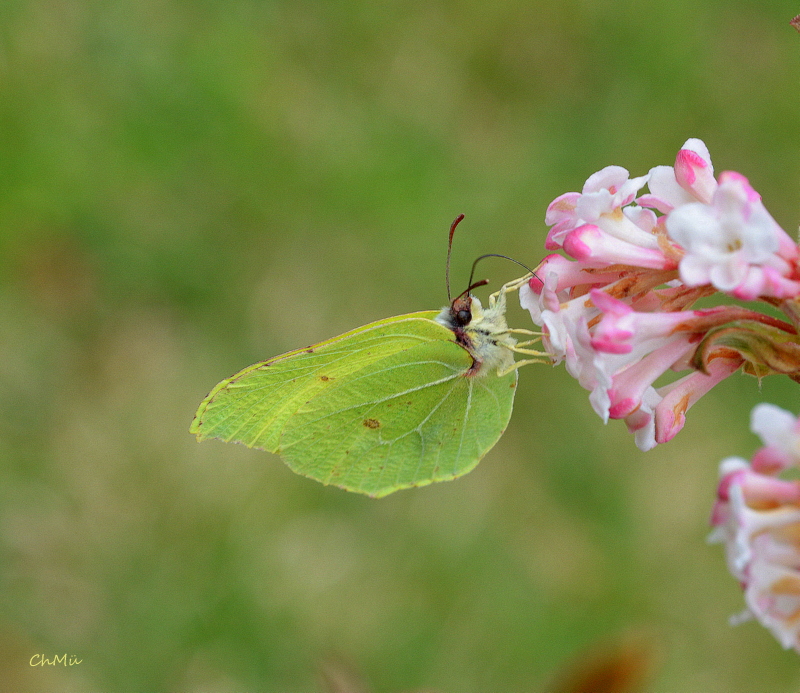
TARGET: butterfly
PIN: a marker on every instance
(401, 402)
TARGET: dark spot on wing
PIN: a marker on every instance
(309, 350)
(324, 378)
(372, 423)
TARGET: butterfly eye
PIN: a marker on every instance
(464, 317)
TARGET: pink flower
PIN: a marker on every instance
(757, 518)
(618, 353)
(636, 349)
(617, 311)
(604, 195)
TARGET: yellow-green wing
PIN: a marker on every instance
(384, 407)
(253, 406)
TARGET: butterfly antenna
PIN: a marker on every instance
(482, 282)
(505, 257)
(455, 223)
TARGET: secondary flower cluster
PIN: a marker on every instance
(757, 516)
(618, 309)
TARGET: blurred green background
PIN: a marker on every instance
(189, 187)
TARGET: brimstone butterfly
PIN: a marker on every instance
(401, 402)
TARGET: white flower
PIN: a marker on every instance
(727, 240)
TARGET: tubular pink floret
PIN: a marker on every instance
(569, 274)
(563, 207)
(765, 281)
(630, 384)
(683, 393)
(596, 248)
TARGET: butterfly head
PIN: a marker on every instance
(483, 333)
(460, 312)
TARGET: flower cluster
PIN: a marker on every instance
(757, 517)
(618, 311)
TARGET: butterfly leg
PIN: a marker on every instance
(528, 352)
(518, 364)
(513, 285)
(537, 336)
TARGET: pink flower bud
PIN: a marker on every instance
(694, 172)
